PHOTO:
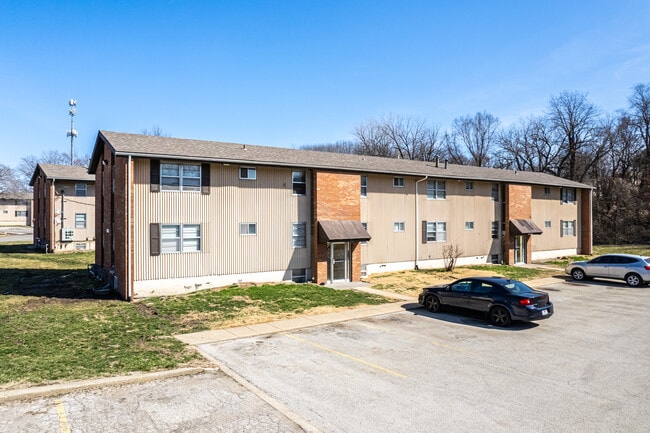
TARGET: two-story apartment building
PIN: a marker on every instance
(15, 209)
(177, 215)
(64, 208)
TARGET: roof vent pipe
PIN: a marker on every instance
(437, 161)
(446, 164)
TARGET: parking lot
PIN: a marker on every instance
(586, 369)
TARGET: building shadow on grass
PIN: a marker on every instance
(44, 281)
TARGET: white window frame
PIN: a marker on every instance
(547, 190)
(398, 182)
(399, 226)
(187, 180)
(248, 173)
(547, 224)
(80, 187)
(80, 221)
(469, 186)
(568, 195)
(436, 231)
(364, 185)
(186, 238)
(495, 192)
(436, 189)
(301, 183)
(567, 228)
(299, 240)
(469, 225)
(248, 229)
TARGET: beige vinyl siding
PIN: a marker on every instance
(386, 204)
(267, 201)
(548, 207)
(74, 205)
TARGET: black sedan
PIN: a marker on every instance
(500, 299)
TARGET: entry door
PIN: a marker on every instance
(520, 249)
(339, 262)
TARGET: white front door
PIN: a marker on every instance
(520, 249)
(338, 268)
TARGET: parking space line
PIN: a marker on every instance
(345, 355)
(63, 419)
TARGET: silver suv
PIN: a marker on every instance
(634, 270)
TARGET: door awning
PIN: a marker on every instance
(525, 227)
(333, 231)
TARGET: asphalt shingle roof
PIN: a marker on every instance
(177, 148)
(64, 172)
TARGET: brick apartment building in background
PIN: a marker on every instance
(178, 215)
(64, 208)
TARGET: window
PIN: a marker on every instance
(436, 231)
(398, 226)
(568, 228)
(21, 213)
(80, 189)
(547, 224)
(364, 186)
(469, 225)
(247, 229)
(180, 238)
(547, 190)
(80, 220)
(469, 186)
(299, 235)
(436, 189)
(398, 182)
(495, 229)
(364, 270)
(4, 211)
(80, 246)
(365, 226)
(299, 182)
(494, 259)
(249, 173)
(299, 275)
(180, 177)
(495, 192)
(568, 195)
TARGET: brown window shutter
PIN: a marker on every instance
(424, 232)
(205, 178)
(575, 227)
(561, 228)
(154, 239)
(154, 167)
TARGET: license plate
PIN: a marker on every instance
(544, 312)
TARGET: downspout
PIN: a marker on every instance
(53, 216)
(417, 220)
(129, 284)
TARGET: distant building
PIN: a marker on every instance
(177, 215)
(64, 208)
(16, 209)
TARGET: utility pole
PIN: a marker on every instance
(72, 133)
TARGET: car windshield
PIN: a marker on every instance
(517, 287)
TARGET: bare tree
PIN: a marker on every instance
(575, 121)
(10, 181)
(528, 146)
(475, 135)
(450, 255)
(640, 118)
(351, 147)
(155, 131)
(398, 137)
(27, 164)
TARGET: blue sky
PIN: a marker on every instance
(287, 73)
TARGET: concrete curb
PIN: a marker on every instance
(82, 385)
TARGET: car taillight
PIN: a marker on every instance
(647, 267)
(524, 302)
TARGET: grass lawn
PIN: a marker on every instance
(52, 328)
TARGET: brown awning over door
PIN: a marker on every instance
(334, 231)
(525, 227)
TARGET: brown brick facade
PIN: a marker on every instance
(586, 233)
(336, 197)
(519, 200)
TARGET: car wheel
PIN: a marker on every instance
(633, 280)
(433, 304)
(500, 316)
(578, 274)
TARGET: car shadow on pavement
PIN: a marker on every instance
(470, 319)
